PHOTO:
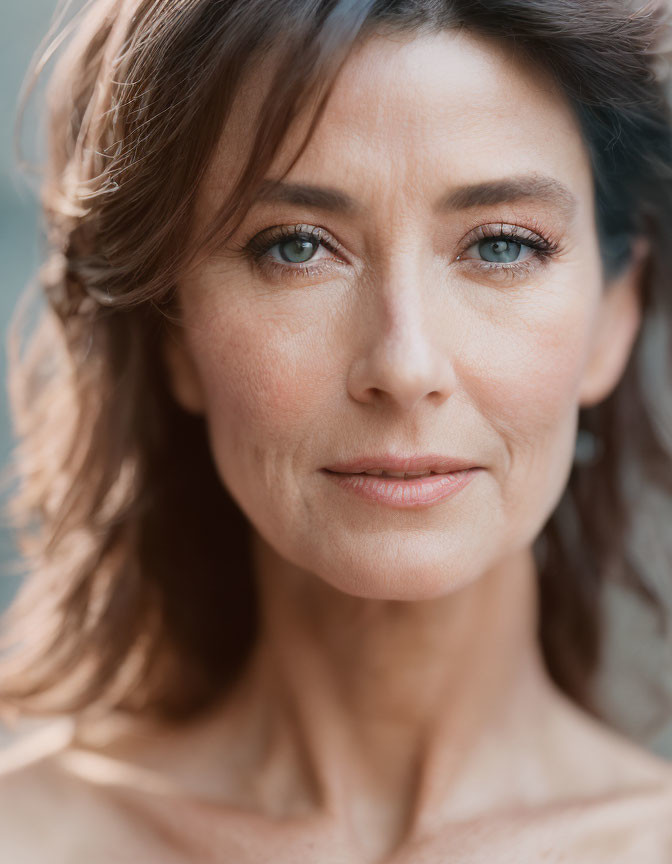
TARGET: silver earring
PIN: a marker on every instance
(588, 448)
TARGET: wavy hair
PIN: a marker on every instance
(138, 593)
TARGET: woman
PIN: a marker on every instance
(292, 245)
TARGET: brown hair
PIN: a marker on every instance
(130, 602)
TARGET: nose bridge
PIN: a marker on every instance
(401, 356)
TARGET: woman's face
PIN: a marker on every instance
(414, 327)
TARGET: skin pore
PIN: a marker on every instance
(398, 688)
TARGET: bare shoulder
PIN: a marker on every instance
(627, 821)
(661, 796)
(637, 794)
(49, 813)
(31, 792)
(627, 826)
(27, 768)
(630, 826)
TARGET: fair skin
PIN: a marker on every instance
(396, 708)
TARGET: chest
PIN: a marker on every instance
(621, 832)
(118, 829)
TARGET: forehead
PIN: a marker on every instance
(410, 113)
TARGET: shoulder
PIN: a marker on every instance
(29, 787)
(628, 827)
(45, 807)
(26, 764)
(611, 802)
(623, 812)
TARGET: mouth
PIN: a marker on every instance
(402, 489)
(397, 475)
(402, 467)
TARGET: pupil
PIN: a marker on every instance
(502, 251)
(297, 250)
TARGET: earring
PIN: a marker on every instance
(588, 448)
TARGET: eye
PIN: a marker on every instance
(506, 251)
(296, 250)
(500, 250)
(304, 251)
(286, 249)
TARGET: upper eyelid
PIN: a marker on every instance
(481, 231)
(507, 229)
(270, 237)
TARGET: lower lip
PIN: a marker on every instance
(396, 492)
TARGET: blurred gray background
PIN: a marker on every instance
(23, 27)
(636, 685)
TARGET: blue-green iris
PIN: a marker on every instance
(297, 250)
(499, 250)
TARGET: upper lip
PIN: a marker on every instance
(390, 462)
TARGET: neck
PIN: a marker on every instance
(392, 708)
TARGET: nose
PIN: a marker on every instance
(403, 353)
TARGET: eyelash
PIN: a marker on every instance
(544, 249)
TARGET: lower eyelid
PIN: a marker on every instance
(312, 268)
(514, 271)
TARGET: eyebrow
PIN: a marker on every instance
(524, 187)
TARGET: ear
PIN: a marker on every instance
(618, 320)
(183, 378)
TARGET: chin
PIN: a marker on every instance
(397, 577)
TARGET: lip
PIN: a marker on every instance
(436, 462)
(402, 494)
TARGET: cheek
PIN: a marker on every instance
(524, 377)
(533, 375)
(262, 382)
(525, 369)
